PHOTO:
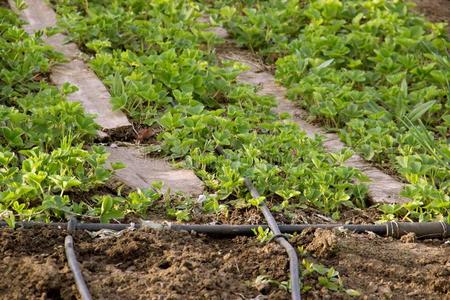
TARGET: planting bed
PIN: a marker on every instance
(223, 112)
(171, 265)
(138, 265)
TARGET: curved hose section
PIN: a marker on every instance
(75, 268)
(73, 263)
(293, 259)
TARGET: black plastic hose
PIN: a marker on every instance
(428, 230)
(272, 223)
(75, 268)
(293, 258)
(73, 263)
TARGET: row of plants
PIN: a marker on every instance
(158, 61)
(43, 138)
(373, 71)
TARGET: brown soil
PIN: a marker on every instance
(434, 10)
(382, 268)
(138, 265)
(171, 265)
(174, 265)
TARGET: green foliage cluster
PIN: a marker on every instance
(177, 84)
(372, 70)
(42, 156)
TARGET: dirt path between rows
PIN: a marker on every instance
(435, 10)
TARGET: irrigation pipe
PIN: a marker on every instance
(73, 263)
(293, 259)
(272, 223)
(428, 230)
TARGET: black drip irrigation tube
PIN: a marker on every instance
(390, 229)
(428, 230)
(73, 262)
(278, 237)
(282, 240)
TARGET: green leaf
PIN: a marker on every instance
(111, 214)
(352, 293)
(107, 203)
(419, 110)
(325, 64)
(257, 201)
(118, 165)
(20, 4)
(324, 281)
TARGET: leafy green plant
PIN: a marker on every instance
(327, 277)
(263, 235)
(179, 207)
(371, 70)
(323, 276)
(267, 280)
(314, 275)
(177, 85)
(42, 135)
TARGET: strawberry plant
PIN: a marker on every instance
(372, 70)
(179, 86)
(43, 160)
